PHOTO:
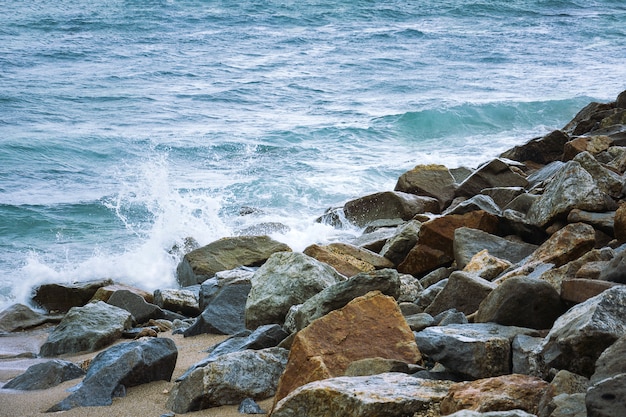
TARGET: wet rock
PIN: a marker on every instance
(368, 327)
(389, 394)
(374, 240)
(338, 295)
(136, 305)
(18, 317)
(62, 297)
(182, 301)
(542, 150)
(463, 291)
(399, 245)
(224, 254)
(360, 256)
(388, 205)
(286, 279)
(230, 379)
(87, 328)
(478, 202)
(45, 375)
(507, 392)
(475, 350)
(429, 180)
(580, 335)
(522, 302)
(495, 173)
(122, 366)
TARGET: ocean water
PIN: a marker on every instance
(128, 126)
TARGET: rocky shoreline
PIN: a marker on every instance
(495, 291)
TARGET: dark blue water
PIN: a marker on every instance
(126, 126)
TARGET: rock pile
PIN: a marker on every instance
(496, 291)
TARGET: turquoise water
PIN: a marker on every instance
(126, 126)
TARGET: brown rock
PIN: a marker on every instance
(619, 223)
(62, 297)
(486, 266)
(388, 205)
(567, 244)
(368, 327)
(578, 290)
(361, 255)
(592, 144)
(345, 265)
(502, 393)
(429, 180)
(104, 293)
(541, 150)
(463, 292)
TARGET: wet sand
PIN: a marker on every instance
(146, 400)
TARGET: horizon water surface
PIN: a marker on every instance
(128, 126)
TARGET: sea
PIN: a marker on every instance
(129, 126)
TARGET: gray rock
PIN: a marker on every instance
(567, 405)
(468, 242)
(338, 295)
(523, 302)
(522, 349)
(427, 296)
(615, 271)
(229, 380)
(87, 328)
(463, 291)
(565, 396)
(18, 317)
(607, 398)
(389, 394)
(225, 310)
(211, 286)
(507, 413)
(62, 297)
(224, 254)
(579, 336)
(410, 288)
(374, 240)
(249, 406)
(474, 351)
(396, 248)
(571, 188)
(502, 196)
(388, 205)
(477, 202)
(608, 181)
(452, 316)
(435, 276)
(495, 173)
(136, 305)
(611, 361)
(45, 375)
(420, 321)
(286, 279)
(540, 150)
(601, 221)
(123, 365)
(182, 301)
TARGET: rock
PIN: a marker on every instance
(522, 302)
(286, 279)
(475, 350)
(374, 240)
(592, 144)
(127, 365)
(429, 180)
(368, 327)
(427, 296)
(601, 221)
(580, 335)
(211, 287)
(360, 256)
(523, 348)
(230, 379)
(338, 295)
(619, 223)
(495, 173)
(136, 305)
(420, 321)
(388, 205)
(451, 316)
(375, 366)
(435, 240)
(507, 392)
(45, 375)
(586, 118)
(579, 290)
(468, 242)
(567, 405)
(608, 181)
(567, 244)
(346, 262)
(410, 289)
(397, 247)
(436, 276)
(542, 150)
(463, 291)
(557, 396)
(103, 293)
(607, 398)
(571, 188)
(249, 406)
(62, 297)
(389, 395)
(226, 309)
(478, 202)
(508, 413)
(611, 361)
(555, 276)
(224, 254)
(18, 317)
(615, 271)
(486, 266)
(503, 196)
(183, 301)
(87, 328)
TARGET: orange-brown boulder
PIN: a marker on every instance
(371, 326)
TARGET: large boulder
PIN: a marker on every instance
(473, 351)
(495, 173)
(18, 317)
(429, 180)
(122, 366)
(45, 375)
(368, 327)
(607, 394)
(136, 305)
(224, 254)
(338, 295)
(463, 292)
(522, 302)
(62, 297)
(580, 335)
(388, 205)
(571, 188)
(230, 379)
(541, 150)
(286, 279)
(388, 394)
(87, 328)
(608, 181)
(506, 392)
(397, 247)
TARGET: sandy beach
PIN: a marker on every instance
(144, 400)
